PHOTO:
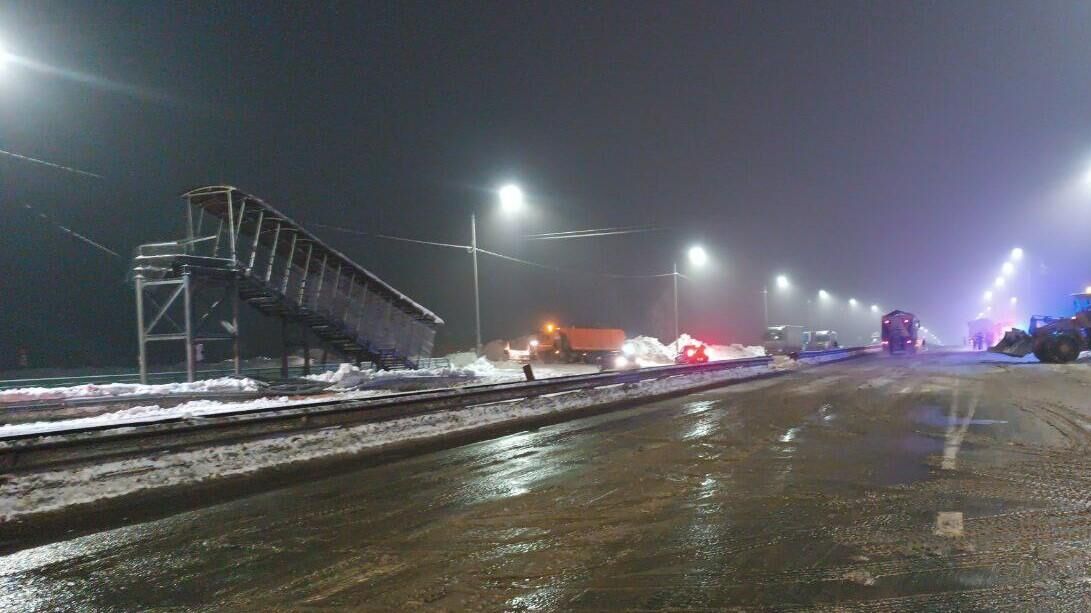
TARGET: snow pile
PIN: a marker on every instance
(146, 413)
(651, 351)
(108, 390)
(348, 376)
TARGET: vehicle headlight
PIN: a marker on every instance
(621, 361)
(628, 349)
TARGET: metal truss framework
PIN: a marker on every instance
(260, 256)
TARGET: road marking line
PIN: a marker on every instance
(956, 428)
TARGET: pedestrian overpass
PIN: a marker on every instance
(239, 249)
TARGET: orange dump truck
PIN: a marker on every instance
(572, 344)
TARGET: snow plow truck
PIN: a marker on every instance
(1053, 340)
(899, 331)
(587, 345)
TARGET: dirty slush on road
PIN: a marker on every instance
(947, 482)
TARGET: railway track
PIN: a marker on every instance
(50, 448)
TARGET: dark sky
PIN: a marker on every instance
(891, 151)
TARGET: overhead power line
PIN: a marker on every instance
(493, 254)
(51, 164)
(71, 232)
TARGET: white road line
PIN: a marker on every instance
(957, 426)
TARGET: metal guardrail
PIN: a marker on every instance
(833, 355)
(156, 435)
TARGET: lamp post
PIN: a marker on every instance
(698, 257)
(782, 284)
(511, 201)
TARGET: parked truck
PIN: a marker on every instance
(1053, 339)
(899, 331)
(782, 340)
(821, 340)
(587, 345)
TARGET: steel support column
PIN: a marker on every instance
(140, 333)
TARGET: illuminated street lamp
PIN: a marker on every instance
(1008, 268)
(1013, 300)
(698, 257)
(511, 201)
(874, 308)
(999, 282)
(988, 295)
(1017, 253)
(852, 302)
(823, 294)
(783, 284)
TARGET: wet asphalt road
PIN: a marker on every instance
(941, 482)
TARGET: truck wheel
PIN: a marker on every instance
(1065, 349)
(1043, 350)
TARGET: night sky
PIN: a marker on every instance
(890, 151)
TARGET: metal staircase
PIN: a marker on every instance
(261, 257)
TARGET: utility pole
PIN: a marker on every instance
(765, 303)
(477, 290)
(675, 276)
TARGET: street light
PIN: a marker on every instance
(782, 284)
(823, 294)
(988, 295)
(999, 282)
(1008, 268)
(852, 302)
(874, 308)
(511, 200)
(698, 257)
(1017, 253)
(1013, 300)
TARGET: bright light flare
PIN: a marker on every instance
(1008, 268)
(511, 198)
(823, 294)
(1017, 254)
(782, 282)
(697, 255)
(988, 295)
(874, 308)
(1087, 290)
(1013, 300)
(999, 282)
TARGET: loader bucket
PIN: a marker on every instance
(1015, 343)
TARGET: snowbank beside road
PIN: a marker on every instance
(108, 390)
(195, 408)
(348, 375)
(651, 351)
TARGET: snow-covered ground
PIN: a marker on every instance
(51, 490)
(106, 390)
(195, 408)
